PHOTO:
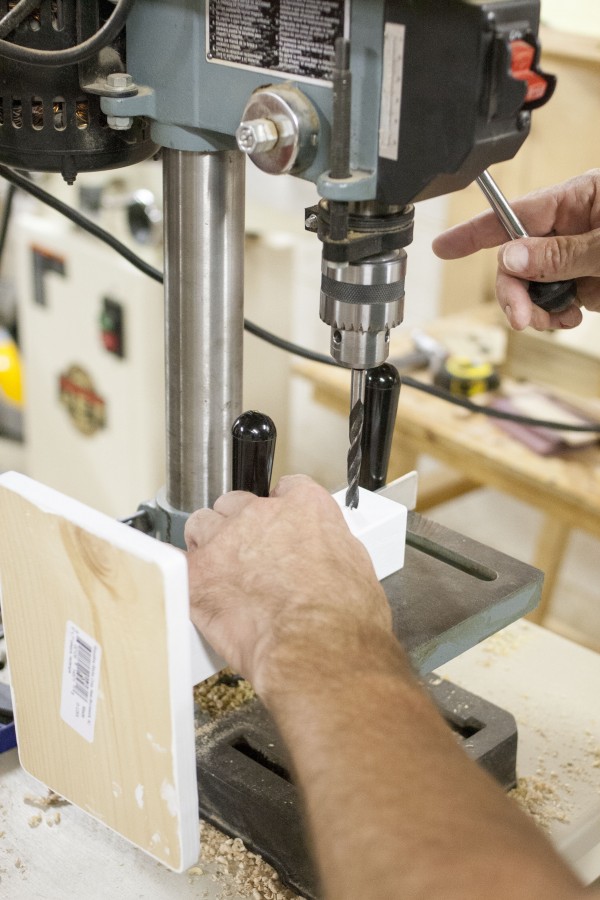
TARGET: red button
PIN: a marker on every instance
(522, 59)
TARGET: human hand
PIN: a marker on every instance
(279, 586)
(569, 217)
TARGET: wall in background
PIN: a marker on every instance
(578, 16)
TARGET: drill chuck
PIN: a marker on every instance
(362, 301)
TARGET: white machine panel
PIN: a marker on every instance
(94, 418)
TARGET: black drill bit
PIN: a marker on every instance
(357, 418)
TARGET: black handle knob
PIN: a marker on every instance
(254, 436)
(382, 392)
(553, 296)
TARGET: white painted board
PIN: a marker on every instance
(97, 627)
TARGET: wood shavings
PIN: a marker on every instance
(51, 799)
(222, 693)
(504, 643)
(34, 821)
(539, 798)
(252, 876)
(51, 821)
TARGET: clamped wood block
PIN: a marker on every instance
(380, 524)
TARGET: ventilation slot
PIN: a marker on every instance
(37, 113)
(59, 110)
(82, 114)
(58, 14)
(17, 113)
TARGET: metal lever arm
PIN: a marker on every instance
(551, 296)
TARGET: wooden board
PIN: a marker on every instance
(98, 639)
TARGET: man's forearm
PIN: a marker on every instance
(419, 820)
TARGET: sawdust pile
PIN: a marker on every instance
(222, 693)
(539, 798)
(223, 858)
(250, 876)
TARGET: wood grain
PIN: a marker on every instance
(61, 561)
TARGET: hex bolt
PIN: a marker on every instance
(120, 81)
(257, 136)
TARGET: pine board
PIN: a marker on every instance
(74, 581)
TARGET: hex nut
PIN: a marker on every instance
(119, 123)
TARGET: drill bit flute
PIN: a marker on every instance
(357, 420)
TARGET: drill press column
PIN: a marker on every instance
(204, 320)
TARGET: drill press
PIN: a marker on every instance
(416, 101)
(434, 99)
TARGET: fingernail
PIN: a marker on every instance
(508, 313)
(515, 257)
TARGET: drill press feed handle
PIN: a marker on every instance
(551, 296)
(253, 450)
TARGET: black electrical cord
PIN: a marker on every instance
(104, 36)
(84, 223)
(6, 213)
(64, 209)
(16, 15)
(288, 346)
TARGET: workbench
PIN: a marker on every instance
(548, 683)
(565, 488)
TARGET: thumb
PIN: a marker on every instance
(555, 258)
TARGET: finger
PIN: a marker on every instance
(201, 526)
(588, 293)
(514, 300)
(232, 503)
(289, 483)
(555, 258)
(537, 211)
(568, 318)
(482, 232)
(521, 312)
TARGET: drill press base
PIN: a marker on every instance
(451, 594)
(246, 790)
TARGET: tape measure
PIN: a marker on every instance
(466, 377)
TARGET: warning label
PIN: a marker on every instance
(278, 35)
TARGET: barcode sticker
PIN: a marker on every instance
(81, 676)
